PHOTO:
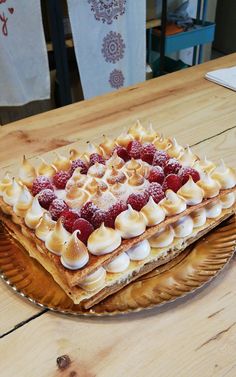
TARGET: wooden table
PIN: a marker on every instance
(192, 337)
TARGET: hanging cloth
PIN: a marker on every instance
(109, 40)
(24, 71)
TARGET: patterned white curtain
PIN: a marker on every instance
(24, 71)
(109, 40)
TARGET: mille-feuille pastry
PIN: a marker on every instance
(99, 219)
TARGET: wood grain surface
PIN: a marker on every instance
(196, 336)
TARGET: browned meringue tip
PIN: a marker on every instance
(74, 154)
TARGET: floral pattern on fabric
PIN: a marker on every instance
(116, 79)
(107, 10)
(113, 47)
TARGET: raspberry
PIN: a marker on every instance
(185, 173)
(46, 197)
(172, 166)
(56, 208)
(40, 183)
(160, 158)
(134, 149)
(147, 153)
(60, 179)
(98, 218)
(155, 190)
(69, 217)
(88, 210)
(95, 157)
(138, 200)
(122, 153)
(85, 229)
(78, 164)
(156, 175)
(115, 210)
(172, 182)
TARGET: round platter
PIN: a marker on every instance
(194, 267)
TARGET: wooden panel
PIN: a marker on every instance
(175, 104)
(195, 337)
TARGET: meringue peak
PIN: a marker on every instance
(74, 253)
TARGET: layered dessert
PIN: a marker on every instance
(97, 220)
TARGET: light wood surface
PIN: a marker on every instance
(196, 336)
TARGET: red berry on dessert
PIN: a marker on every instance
(138, 200)
(46, 197)
(60, 179)
(79, 164)
(69, 217)
(40, 183)
(95, 157)
(172, 166)
(122, 153)
(186, 172)
(147, 153)
(88, 210)
(85, 229)
(115, 210)
(156, 175)
(56, 208)
(160, 158)
(155, 190)
(172, 182)
(134, 149)
(98, 218)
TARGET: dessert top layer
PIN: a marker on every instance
(89, 202)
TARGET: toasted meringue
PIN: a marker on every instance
(226, 177)
(5, 182)
(97, 170)
(139, 251)
(57, 238)
(204, 165)
(103, 240)
(23, 202)
(121, 190)
(45, 225)
(94, 281)
(93, 148)
(191, 192)
(76, 197)
(74, 253)
(132, 165)
(163, 238)
(113, 176)
(209, 186)
(213, 209)
(103, 199)
(161, 143)
(118, 264)
(136, 179)
(137, 131)
(12, 192)
(228, 200)
(172, 204)
(107, 145)
(188, 158)
(92, 186)
(174, 149)
(199, 217)
(61, 162)
(150, 134)
(34, 213)
(102, 186)
(183, 227)
(124, 139)
(153, 212)
(130, 223)
(27, 172)
(74, 154)
(115, 161)
(77, 179)
(46, 169)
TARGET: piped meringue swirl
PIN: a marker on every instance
(228, 200)
(74, 253)
(209, 186)
(23, 202)
(191, 192)
(153, 212)
(34, 213)
(57, 238)
(118, 264)
(103, 240)
(46, 169)
(172, 204)
(139, 251)
(61, 162)
(174, 149)
(226, 177)
(188, 158)
(12, 192)
(45, 225)
(163, 238)
(94, 281)
(27, 172)
(213, 209)
(199, 217)
(5, 182)
(130, 223)
(183, 227)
